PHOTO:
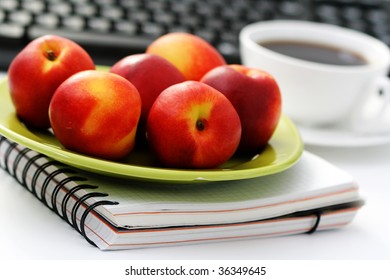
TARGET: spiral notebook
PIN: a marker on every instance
(115, 213)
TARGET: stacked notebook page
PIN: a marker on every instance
(114, 213)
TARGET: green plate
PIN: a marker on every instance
(283, 150)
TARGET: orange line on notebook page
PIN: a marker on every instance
(227, 225)
(288, 232)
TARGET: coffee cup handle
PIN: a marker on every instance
(370, 115)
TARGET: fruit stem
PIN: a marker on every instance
(51, 55)
(200, 125)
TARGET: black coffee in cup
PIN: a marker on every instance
(316, 52)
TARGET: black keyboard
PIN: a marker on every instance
(112, 29)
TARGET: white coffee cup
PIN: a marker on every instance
(318, 94)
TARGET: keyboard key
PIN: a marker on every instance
(11, 31)
(74, 22)
(139, 16)
(20, 17)
(85, 9)
(325, 12)
(99, 24)
(230, 13)
(190, 21)
(229, 37)
(215, 23)
(228, 49)
(292, 9)
(48, 20)
(154, 5)
(352, 13)
(60, 8)
(34, 6)
(151, 29)
(204, 10)
(111, 12)
(8, 5)
(255, 15)
(182, 7)
(126, 27)
(164, 18)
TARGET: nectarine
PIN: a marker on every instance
(255, 95)
(150, 74)
(96, 113)
(192, 125)
(36, 72)
(191, 54)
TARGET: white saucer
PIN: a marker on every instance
(337, 137)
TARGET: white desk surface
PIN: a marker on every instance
(29, 230)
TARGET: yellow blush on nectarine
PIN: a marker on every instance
(96, 113)
(191, 54)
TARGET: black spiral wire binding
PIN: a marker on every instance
(29, 163)
(60, 185)
(318, 215)
(80, 202)
(20, 155)
(68, 195)
(40, 169)
(7, 155)
(49, 179)
(2, 139)
(85, 214)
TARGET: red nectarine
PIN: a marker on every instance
(96, 113)
(36, 72)
(255, 95)
(192, 125)
(150, 74)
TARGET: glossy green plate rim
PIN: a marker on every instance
(285, 147)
